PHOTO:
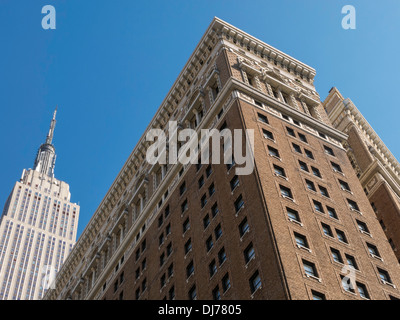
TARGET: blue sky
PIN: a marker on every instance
(109, 64)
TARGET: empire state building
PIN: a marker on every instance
(38, 228)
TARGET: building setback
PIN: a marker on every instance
(38, 228)
(292, 229)
(376, 167)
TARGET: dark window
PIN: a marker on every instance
(193, 293)
(310, 185)
(302, 137)
(182, 188)
(189, 269)
(301, 240)
(336, 167)
(351, 261)
(293, 215)
(249, 253)
(188, 245)
(309, 154)
(362, 290)
(255, 282)
(279, 171)
(296, 148)
(332, 212)
(362, 226)
(186, 225)
(290, 131)
(214, 209)
(209, 243)
(303, 166)
(353, 205)
(221, 256)
(317, 296)
(286, 192)
(323, 191)
(212, 267)
(203, 200)
(243, 227)
(329, 151)
(310, 269)
(384, 275)
(327, 229)
(184, 206)
(341, 236)
(211, 189)
(373, 250)
(336, 255)
(239, 203)
(201, 182)
(234, 182)
(218, 232)
(318, 206)
(262, 118)
(273, 152)
(206, 221)
(216, 293)
(344, 185)
(316, 172)
(267, 134)
(226, 283)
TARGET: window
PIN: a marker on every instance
(309, 154)
(216, 293)
(208, 171)
(302, 137)
(362, 226)
(186, 225)
(182, 188)
(184, 206)
(226, 283)
(273, 152)
(218, 232)
(188, 246)
(384, 276)
(203, 200)
(341, 236)
(239, 203)
(221, 256)
(323, 191)
(336, 167)
(214, 210)
(310, 185)
(268, 135)
(193, 293)
(161, 239)
(348, 284)
(262, 118)
(212, 267)
(337, 257)
(279, 171)
(168, 229)
(163, 281)
(373, 250)
(209, 243)
(329, 151)
(249, 253)
(318, 206)
(351, 261)
(230, 165)
(243, 227)
(362, 290)
(353, 205)
(317, 296)
(171, 293)
(201, 182)
(211, 189)
(344, 185)
(206, 221)
(255, 282)
(332, 212)
(162, 259)
(310, 269)
(234, 182)
(316, 172)
(293, 215)
(303, 166)
(170, 270)
(296, 148)
(286, 192)
(327, 230)
(160, 220)
(290, 131)
(301, 240)
(189, 269)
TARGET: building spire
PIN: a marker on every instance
(46, 155)
(50, 135)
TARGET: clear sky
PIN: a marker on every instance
(109, 64)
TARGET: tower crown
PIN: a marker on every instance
(46, 155)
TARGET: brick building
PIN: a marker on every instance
(295, 228)
(376, 167)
